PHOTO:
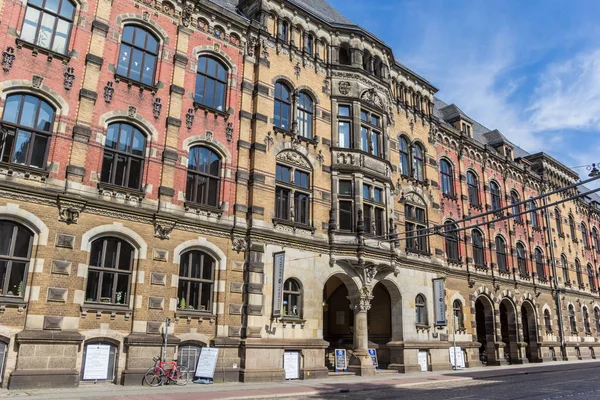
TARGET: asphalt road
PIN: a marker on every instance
(544, 383)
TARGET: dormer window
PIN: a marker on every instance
(465, 128)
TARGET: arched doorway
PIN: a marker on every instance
(484, 321)
(508, 328)
(379, 322)
(528, 322)
(338, 318)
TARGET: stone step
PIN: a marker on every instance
(340, 374)
(386, 372)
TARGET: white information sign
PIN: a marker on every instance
(460, 361)
(291, 364)
(439, 303)
(422, 359)
(96, 361)
(340, 360)
(207, 362)
(278, 266)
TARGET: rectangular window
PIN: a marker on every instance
(345, 188)
(375, 121)
(343, 111)
(282, 203)
(282, 174)
(344, 134)
(378, 195)
(378, 221)
(366, 192)
(346, 219)
(364, 116)
(364, 139)
(367, 216)
(301, 208)
(375, 144)
(301, 179)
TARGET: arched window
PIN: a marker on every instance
(501, 254)
(586, 321)
(516, 208)
(203, 177)
(48, 24)
(27, 123)
(597, 318)
(109, 272)
(558, 222)
(495, 195)
(590, 274)
(283, 104)
(15, 252)
(547, 321)
(458, 314)
(187, 356)
(572, 321)
(539, 264)
(595, 239)
(94, 350)
(211, 83)
(284, 31)
(451, 236)
(292, 183)
(305, 115)
(367, 61)
(578, 273)
(344, 57)
(420, 310)
(478, 252)
(473, 189)
(565, 269)
(123, 160)
(418, 171)
(308, 45)
(447, 177)
(292, 299)
(404, 157)
(572, 228)
(138, 55)
(584, 235)
(196, 281)
(521, 259)
(533, 216)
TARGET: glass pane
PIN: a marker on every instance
(96, 253)
(44, 122)
(344, 111)
(215, 164)
(366, 192)
(125, 138)
(3, 270)
(152, 44)
(16, 284)
(124, 57)
(135, 70)
(377, 195)
(139, 39)
(221, 73)
(6, 234)
(199, 94)
(121, 168)
(209, 93)
(127, 34)
(194, 294)
(375, 120)
(211, 69)
(93, 280)
(38, 152)
(195, 265)
(344, 134)
(108, 284)
(375, 143)
(220, 96)
(345, 188)
(148, 73)
(61, 36)
(21, 147)
(66, 9)
(138, 143)
(107, 162)
(30, 24)
(122, 289)
(202, 64)
(213, 193)
(205, 299)
(135, 173)
(285, 116)
(364, 139)
(11, 108)
(110, 258)
(125, 257)
(29, 111)
(207, 270)
(52, 5)
(47, 27)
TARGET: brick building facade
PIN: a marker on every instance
(156, 156)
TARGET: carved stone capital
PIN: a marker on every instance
(68, 211)
(163, 228)
(239, 244)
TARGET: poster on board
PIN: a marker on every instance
(422, 359)
(291, 364)
(340, 360)
(278, 267)
(439, 302)
(373, 355)
(96, 362)
(460, 361)
(207, 362)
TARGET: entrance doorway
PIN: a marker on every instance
(528, 321)
(508, 327)
(338, 318)
(484, 320)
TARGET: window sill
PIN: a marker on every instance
(12, 301)
(422, 327)
(417, 251)
(207, 109)
(116, 191)
(140, 85)
(450, 197)
(37, 49)
(481, 267)
(537, 229)
(526, 277)
(478, 207)
(454, 261)
(105, 308)
(26, 171)
(203, 314)
(295, 225)
(286, 320)
(202, 209)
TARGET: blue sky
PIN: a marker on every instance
(530, 68)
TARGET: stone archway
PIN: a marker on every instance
(509, 332)
(338, 318)
(530, 337)
(484, 322)
(380, 323)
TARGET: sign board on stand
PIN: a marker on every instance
(207, 362)
(460, 360)
(96, 362)
(422, 359)
(291, 364)
(340, 360)
(373, 354)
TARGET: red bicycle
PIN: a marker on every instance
(166, 371)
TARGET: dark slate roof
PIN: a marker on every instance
(452, 111)
(322, 9)
(590, 197)
(229, 5)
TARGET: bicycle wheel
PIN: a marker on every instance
(180, 376)
(154, 377)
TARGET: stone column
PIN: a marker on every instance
(361, 363)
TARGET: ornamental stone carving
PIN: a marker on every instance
(292, 157)
(344, 87)
(239, 244)
(371, 97)
(69, 211)
(361, 302)
(163, 228)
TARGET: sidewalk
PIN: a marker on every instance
(286, 388)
